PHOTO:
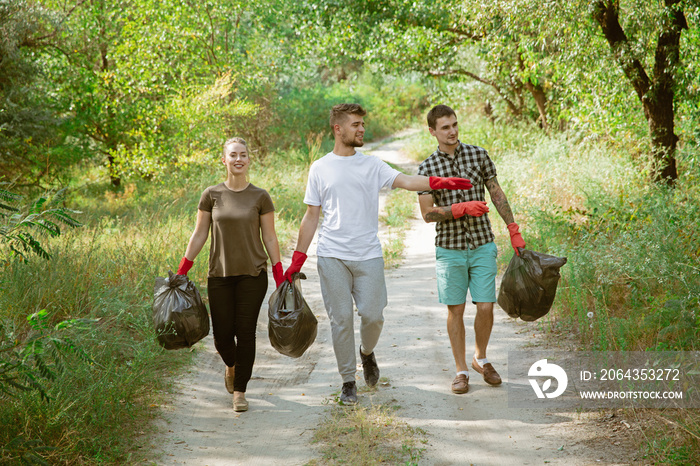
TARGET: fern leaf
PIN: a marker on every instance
(14, 220)
(13, 383)
(9, 196)
(37, 205)
(57, 355)
(61, 215)
(30, 243)
(8, 207)
(44, 370)
(29, 219)
(35, 385)
(57, 197)
(18, 253)
(48, 226)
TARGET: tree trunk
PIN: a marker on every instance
(659, 106)
(655, 94)
(538, 95)
(114, 178)
(106, 135)
(541, 100)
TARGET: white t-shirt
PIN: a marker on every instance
(347, 189)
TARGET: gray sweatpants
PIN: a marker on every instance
(341, 282)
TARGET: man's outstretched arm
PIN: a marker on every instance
(427, 183)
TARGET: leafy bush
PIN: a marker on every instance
(632, 247)
(17, 229)
(24, 363)
(99, 411)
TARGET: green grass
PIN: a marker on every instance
(103, 395)
(100, 405)
(367, 435)
(400, 208)
(673, 439)
(104, 271)
(633, 248)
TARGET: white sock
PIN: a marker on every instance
(464, 372)
(481, 362)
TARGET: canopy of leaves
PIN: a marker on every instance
(140, 86)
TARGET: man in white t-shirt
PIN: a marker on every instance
(345, 185)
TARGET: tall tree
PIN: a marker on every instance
(655, 90)
(508, 46)
(32, 132)
(151, 81)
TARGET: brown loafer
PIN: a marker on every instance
(228, 379)
(460, 384)
(491, 377)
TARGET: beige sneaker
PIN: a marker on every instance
(240, 404)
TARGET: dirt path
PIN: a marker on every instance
(288, 397)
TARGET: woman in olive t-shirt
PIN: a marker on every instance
(241, 218)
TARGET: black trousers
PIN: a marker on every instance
(235, 304)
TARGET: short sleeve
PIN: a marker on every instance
(312, 196)
(266, 205)
(205, 202)
(387, 174)
(488, 168)
(424, 171)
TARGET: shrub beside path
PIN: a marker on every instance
(289, 397)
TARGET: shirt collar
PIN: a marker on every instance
(458, 151)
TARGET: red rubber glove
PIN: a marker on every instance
(437, 182)
(298, 259)
(516, 239)
(185, 266)
(278, 274)
(473, 208)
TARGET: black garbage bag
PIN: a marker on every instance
(179, 315)
(291, 324)
(530, 284)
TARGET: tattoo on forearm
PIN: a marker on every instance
(499, 200)
(439, 214)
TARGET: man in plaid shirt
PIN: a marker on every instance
(465, 251)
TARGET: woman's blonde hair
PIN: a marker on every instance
(235, 141)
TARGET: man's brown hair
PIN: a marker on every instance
(341, 111)
(439, 111)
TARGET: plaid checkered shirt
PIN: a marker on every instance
(473, 163)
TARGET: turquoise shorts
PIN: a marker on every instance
(460, 270)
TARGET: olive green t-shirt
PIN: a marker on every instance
(236, 245)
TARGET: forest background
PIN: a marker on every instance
(112, 118)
